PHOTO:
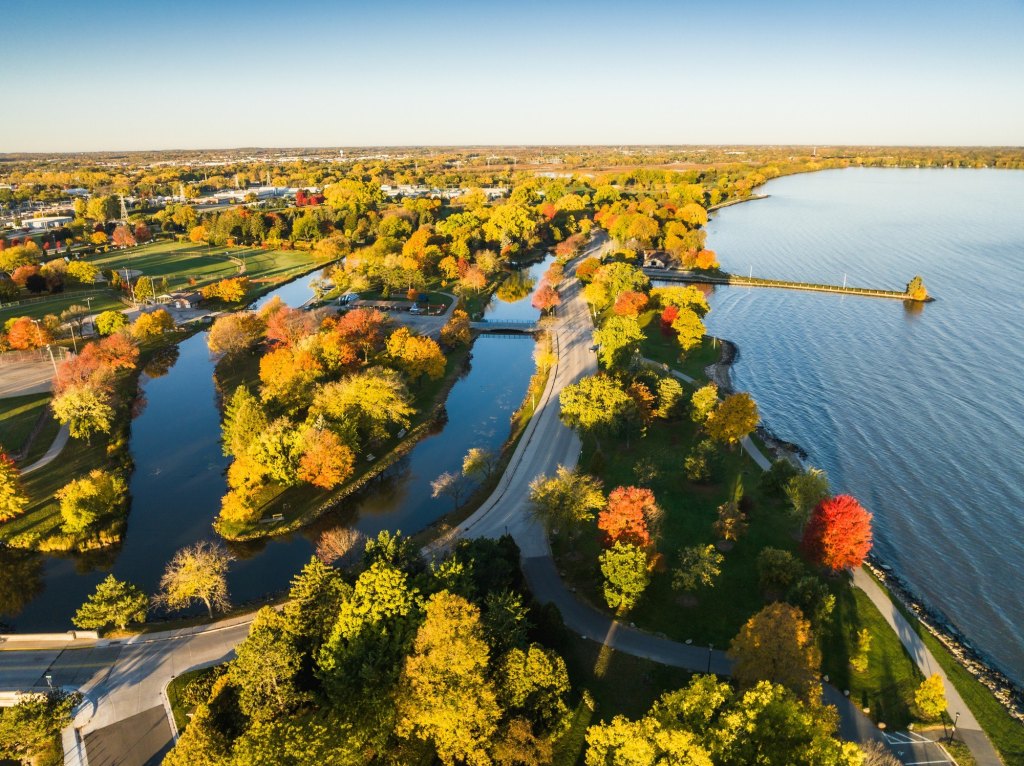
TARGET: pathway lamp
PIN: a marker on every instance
(953, 730)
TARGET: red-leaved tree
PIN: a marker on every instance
(668, 316)
(546, 298)
(630, 303)
(838, 534)
(629, 516)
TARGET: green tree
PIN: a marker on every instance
(197, 573)
(144, 289)
(699, 566)
(314, 600)
(689, 330)
(265, 668)
(626, 575)
(566, 500)
(734, 419)
(534, 682)
(85, 501)
(777, 570)
(85, 410)
(596, 406)
(29, 730)
(12, 496)
(445, 695)
(114, 602)
(670, 396)
(804, 491)
(243, 419)
(862, 654)
(617, 338)
(109, 322)
(370, 402)
(930, 697)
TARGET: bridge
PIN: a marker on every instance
(507, 325)
(675, 275)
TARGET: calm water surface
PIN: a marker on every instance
(179, 479)
(918, 412)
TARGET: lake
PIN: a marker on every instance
(179, 479)
(916, 411)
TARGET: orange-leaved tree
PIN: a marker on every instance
(629, 516)
(838, 535)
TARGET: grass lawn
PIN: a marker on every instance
(18, 416)
(55, 304)
(664, 349)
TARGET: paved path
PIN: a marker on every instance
(59, 442)
(24, 378)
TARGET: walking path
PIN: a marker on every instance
(59, 442)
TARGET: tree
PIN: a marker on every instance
(480, 462)
(776, 645)
(804, 492)
(916, 289)
(227, 290)
(534, 682)
(630, 514)
(148, 325)
(112, 603)
(706, 260)
(314, 599)
(732, 522)
(930, 697)
(703, 403)
(99, 238)
(617, 338)
(777, 570)
(586, 269)
(877, 754)
(697, 466)
(689, 329)
(231, 334)
(626, 576)
(546, 298)
(416, 355)
(102, 208)
(630, 303)
(325, 461)
(124, 237)
(364, 328)
(243, 419)
(198, 234)
(266, 667)
(85, 501)
(452, 484)
(566, 500)
(144, 288)
(734, 419)
(289, 376)
(23, 334)
(445, 694)
(83, 272)
(109, 322)
(196, 574)
(13, 500)
(669, 394)
(456, 331)
(862, 655)
(338, 543)
(595, 406)
(838, 535)
(85, 410)
(699, 566)
(370, 401)
(29, 731)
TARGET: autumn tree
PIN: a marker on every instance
(481, 462)
(338, 544)
(734, 419)
(365, 328)
(626, 575)
(369, 402)
(288, 376)
(916, 289)
(930, 697)
(703, 403)
(699, 566)
(445, 694)
(110, 322)
(586, 269)
(416, 355)
(631, 514)
(689, 330)
(681, 297)
(618, 337)
(838, 535)
(123, 237)
(596, 406)
(83, 272)
(566, 500)
(456, 331)
(325, 461)
(630, 303)
(29, 729)
(13, 500)
(232, 334)
(546, 298)
(776, 645)
(266, 668)
(85, 410)
(153, 323)
(804, 492)
(196, 574)
(731, 523)
(23, 333)
(114, 602)
(83, 502)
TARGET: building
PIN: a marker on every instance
(180, 299)
(47, 222)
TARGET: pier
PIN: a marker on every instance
(673, 275)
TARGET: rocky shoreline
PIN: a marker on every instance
(1009, 694)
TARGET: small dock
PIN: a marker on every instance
(673, 275)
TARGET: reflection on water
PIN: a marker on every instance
(512, 299)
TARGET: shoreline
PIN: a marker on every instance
(983, 669)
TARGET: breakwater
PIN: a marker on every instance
(672, 275)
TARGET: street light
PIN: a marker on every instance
(49, 680)
(710, 649)
(953, 730)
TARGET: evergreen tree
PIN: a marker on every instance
(244, 419)
(113, 603)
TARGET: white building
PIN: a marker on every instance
(47, 222)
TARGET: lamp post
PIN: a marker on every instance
(49, 680)
(711, 648)
(953, 730)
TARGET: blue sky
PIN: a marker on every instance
(131, 75)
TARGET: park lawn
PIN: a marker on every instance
(690, 509)
(1006, 733)
(665, 349)
(887, 686)
(18, 416)
(298, 505)
(42, 441)
(102, 300)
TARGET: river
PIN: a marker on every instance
(916, 411)
(179, 479)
